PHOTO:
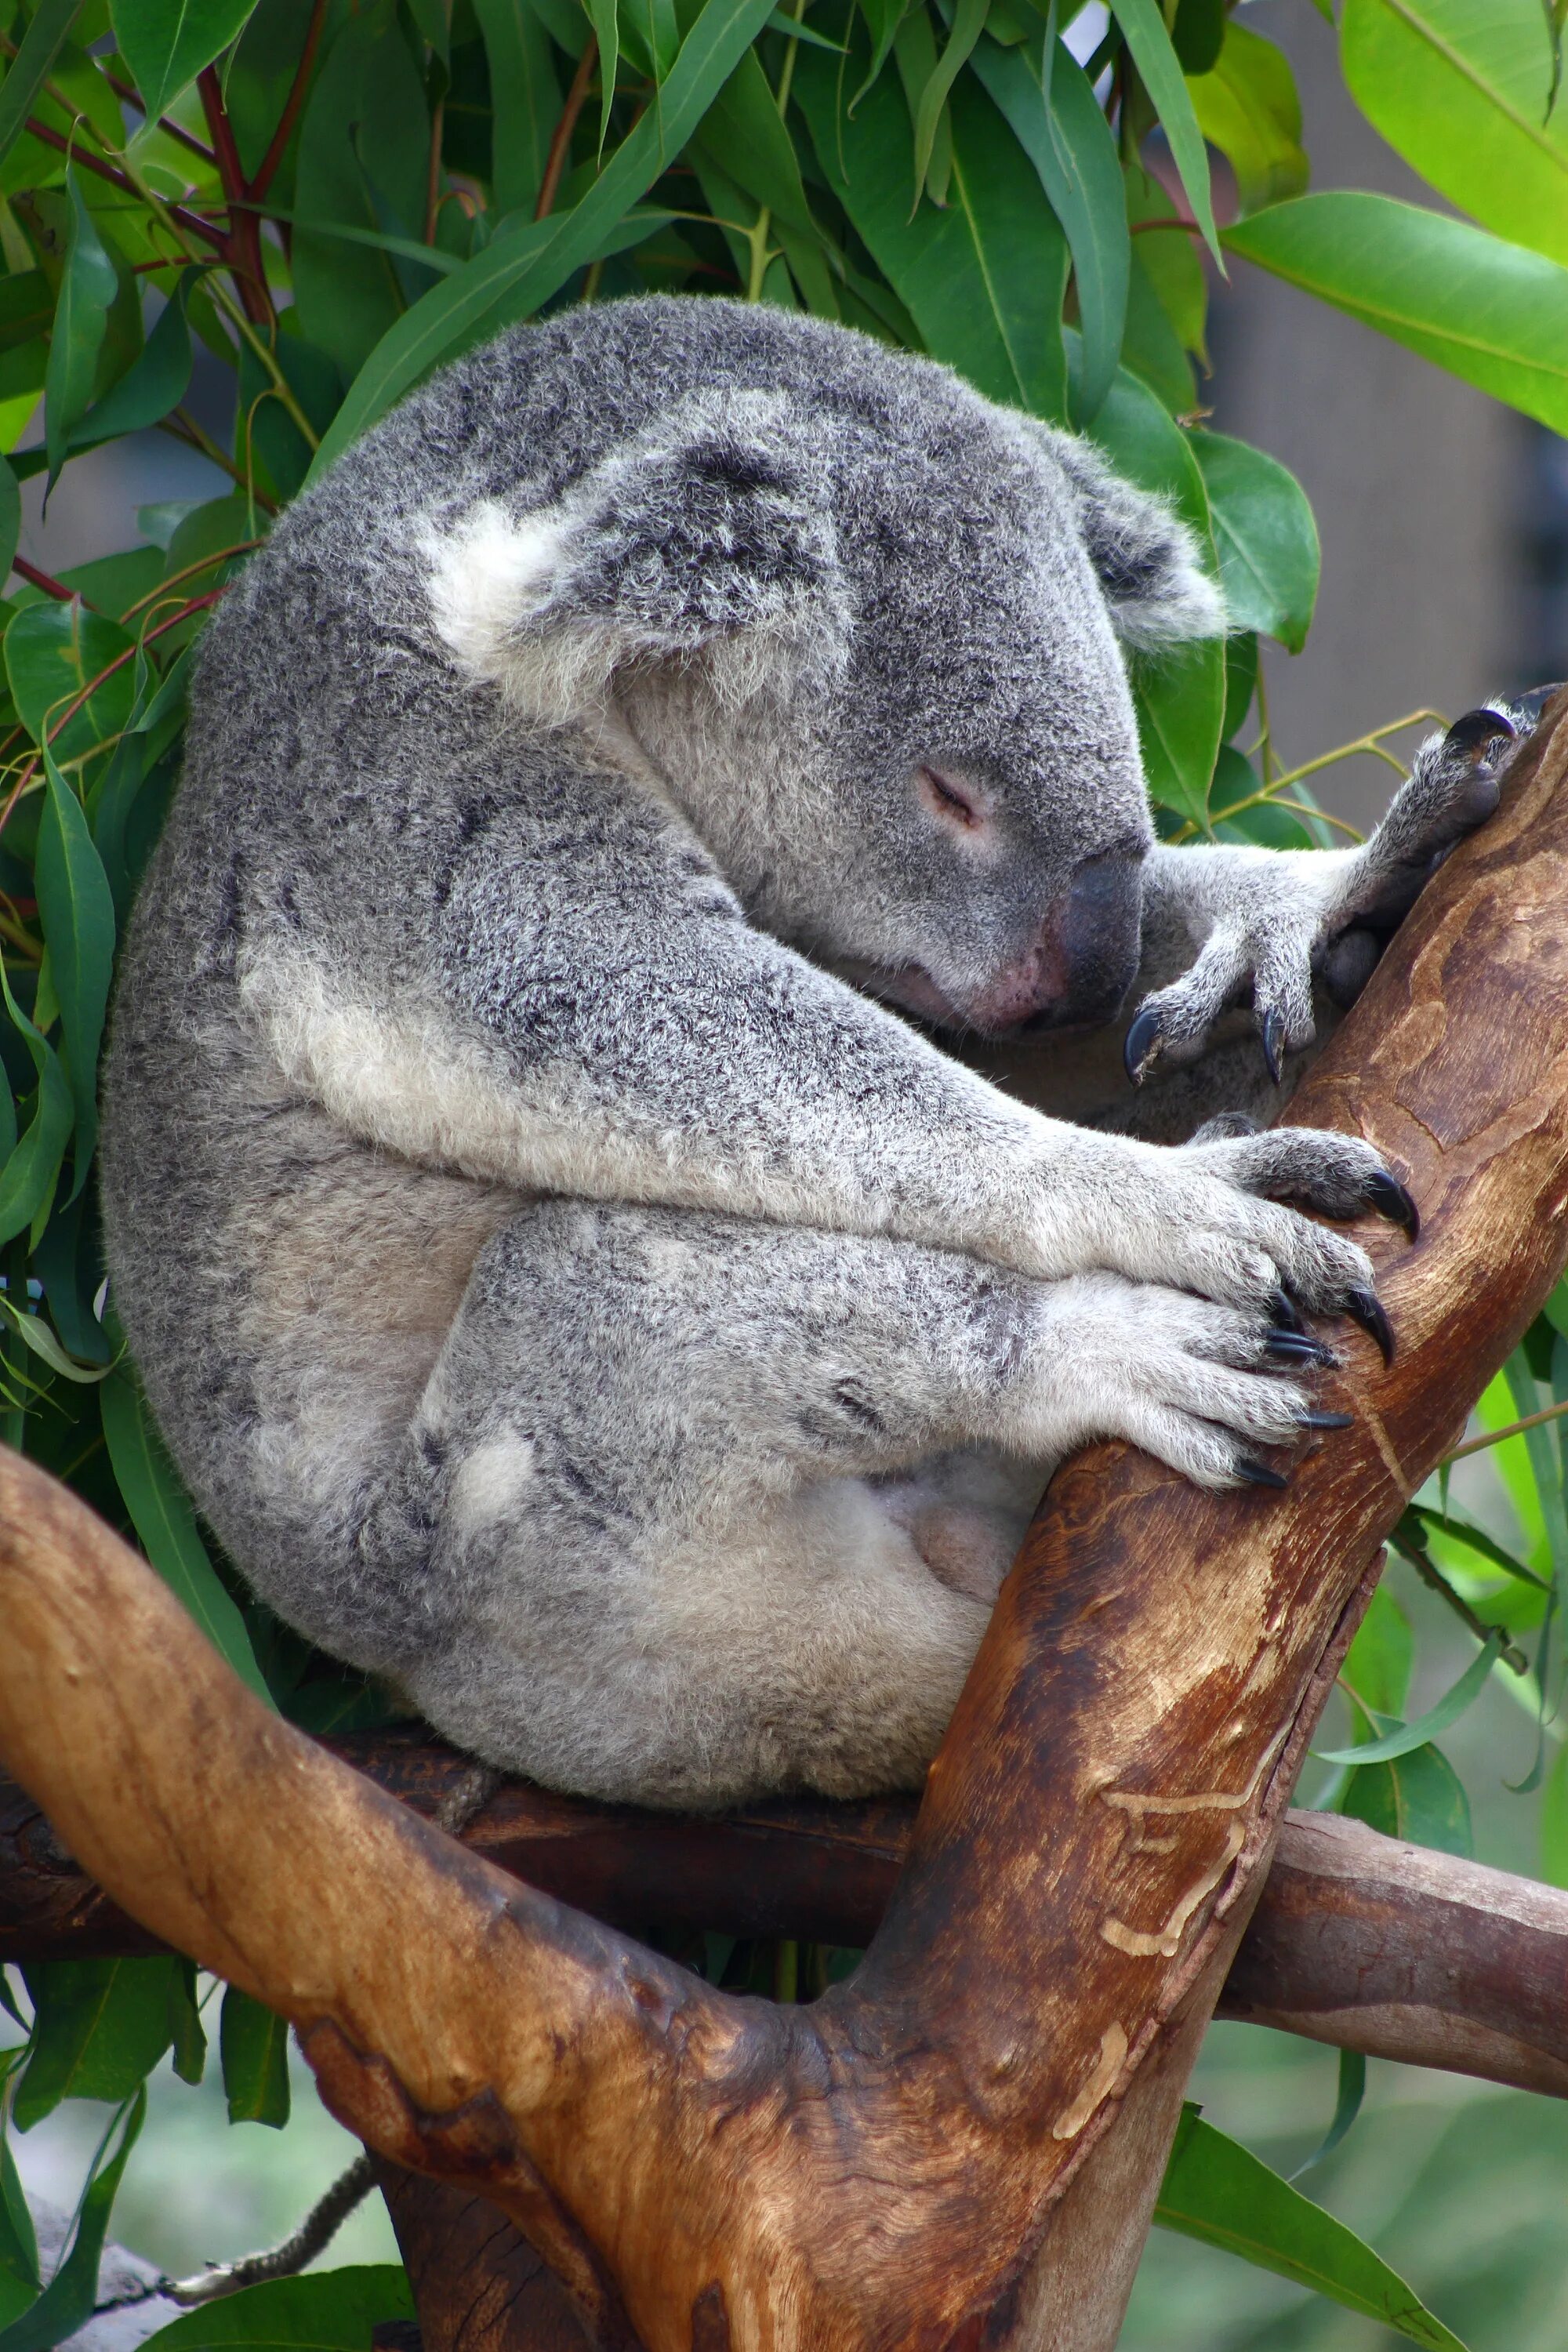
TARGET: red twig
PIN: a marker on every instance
(191, 222)
(242, 247)
(561, 138)
(262, 179)
(44, 580)
(132, 97)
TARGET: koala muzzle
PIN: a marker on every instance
(1076, 971)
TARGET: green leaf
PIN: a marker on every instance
(1264, 535)
(18, 2240)
(88, 287)
(1217, 2192)
(1347, 2106)
(366, 114)
(1248, 108)
(957, 268)
(185, 2028)
(1159, 70)
(1378, 1662)
(28, 1175)
(328, 2311)
(37, 1335)
(29, 69)
(101, 2027)
(1180, 699)
(254, 2044)
(163, 1517)
(166, 43)
(515, 274)
(152, 386)
(1554, 1822)
(1430, 1522)
(1406, 1737)
(1488, 312)
(54, 653)
(1462, 89)
(605, 18)
(1071, 146)
(1240, 682)
(968, 23)
(67, 2302)
(1418, 1797)
(525, 100)
(78, 916)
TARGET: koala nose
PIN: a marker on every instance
(1084, 958)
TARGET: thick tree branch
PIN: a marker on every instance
(1357, 1939)
(959, 2146)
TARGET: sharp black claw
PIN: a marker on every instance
(1328, 1420)
(1258, 1474)
(1363, 1306)
(1286, 1313)
(1272, 1027)
(1142, 1044)
(1300, 1347)
(1391, 1200)
(1471, 737)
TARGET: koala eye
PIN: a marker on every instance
(947, 801)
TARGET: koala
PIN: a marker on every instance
(574, 1267)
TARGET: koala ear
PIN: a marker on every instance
(1145, 556)
(707, 536)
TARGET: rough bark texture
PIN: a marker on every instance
(882, 2169)
(1357, 1939)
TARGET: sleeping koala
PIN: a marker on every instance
(571, 1284)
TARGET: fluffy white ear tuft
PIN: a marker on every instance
(1146, 559)
(707, 537)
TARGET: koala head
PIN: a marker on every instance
(870, 629)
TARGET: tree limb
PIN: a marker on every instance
(930, 2155)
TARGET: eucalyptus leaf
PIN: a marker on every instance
(1265, 537)
(99, 2028)
(325, 2310)
(77, 911)
(89, 284)
(1219, 2192)
(1403, 1738)
(253, 2043)
(40, 45)
(1160, 67)
(67, 2302)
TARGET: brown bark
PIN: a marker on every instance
(1357, 1939)
(884, 2168)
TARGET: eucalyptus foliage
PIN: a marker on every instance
(312, 204)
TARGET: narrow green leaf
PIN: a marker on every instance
(166, 43)
(10, 516)
(77, 912)
(88, 286)
(1159, 70)
(968, 23)
(1406, 1737)
(67, 2302)
(956, 268)
(1418, 1797)
(1347, 2107)
(605, 18)
(525, 100)
(514, 275)
(152, 386)
(185, 2028)
(28, 1175)
(29, 69)
(18, 2240)
(163, 1517)
(1378, 1662)
(1217, 2192)
(37, 1335)
(253, 2043)
(101, 2027)
(1070, 144)
(883, 18)
(1476, 1540)
(1554, 1822)
(326, 2311)
(1488, 312)
(1265, 537)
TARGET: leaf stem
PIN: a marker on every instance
(44, 580)
(277, 147)
(191, 222)
(561, 136)
(1496, 1436)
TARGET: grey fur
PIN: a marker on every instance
(563, 1289)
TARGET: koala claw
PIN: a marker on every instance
(1365, 1306)
(1272, 1030)
(1328, 1420)
(1258, 1474)
(1286, 1313)
(1141, 1049)
(1297, 1347)
(1390, 1199)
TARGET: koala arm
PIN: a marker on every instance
(595, 1017)
(1267, 923)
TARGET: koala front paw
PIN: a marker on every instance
(1279, 920)
(1201, 1387)
(1211, 1218)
